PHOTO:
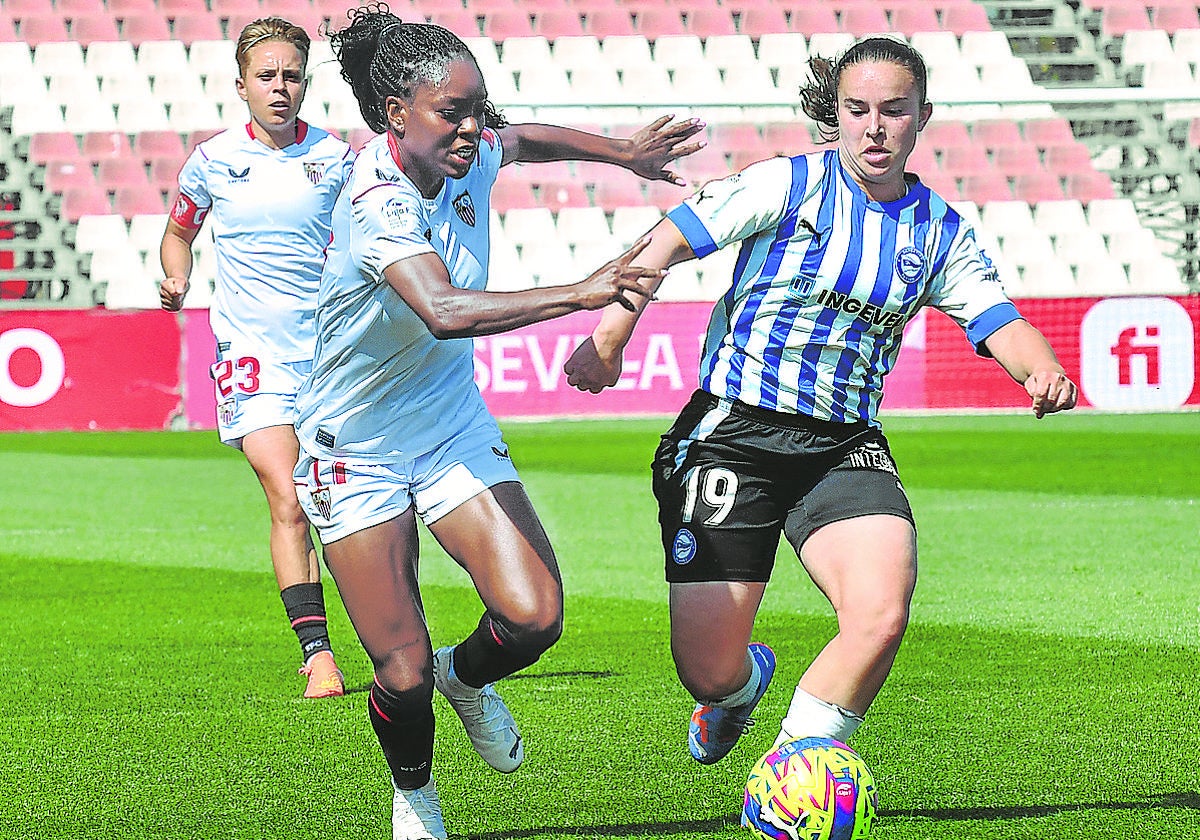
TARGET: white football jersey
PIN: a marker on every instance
(269, 212)
(825, 281)
(382, 387)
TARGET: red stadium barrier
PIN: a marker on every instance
(94, 369)
(88, 369)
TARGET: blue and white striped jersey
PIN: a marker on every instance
(270, 218)
(382, 387)
(825, 281)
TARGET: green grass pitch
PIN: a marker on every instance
(1048, 687)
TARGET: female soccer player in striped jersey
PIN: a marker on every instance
(391, 424)
(269, 188)
(839, 249)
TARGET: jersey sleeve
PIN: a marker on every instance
(734, 208)
(491, 154)
(968, 289)
(194, 200)
(393, 226)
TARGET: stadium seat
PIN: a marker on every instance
(995, 133)
(146, 232)
(618, 191)
(811, 18)
(1065, 216)
(121, 173)
(152, 27)
(966, 160)
(1049, 131)
(1080, 246)
(1046, 277)
(1155, 274)
(577, 51)
(106, 145)
(675, 51)
(559, 193)
(122, 9)
(1116, 20)
(111, 59)
(912, 18)
(37, 116)
(611, 21)
(729, 50)
(94, 27)
(73, 85)
(1113, 216)
(191, 27)
(55, 57)
(159, 145)
(1185, 44)
(54, 147)
(94, 233)
(1037, 186)
(584, 225)
(46, 27)
(86, 115)
(125, 280)
(944, 134)
(1088, 186)
(760, 19)
(155, 57)
(656, 21)
(941, 183)
(785, 138)
(984, 187)
(710, 22)
(861, 19)
(556, 23)
(141, 115)
(1069, 160)
(138, 201)
(164, 174)
(1176, 16)
(79, 201)
(963, 16)
(502, 24)
(1016, 159)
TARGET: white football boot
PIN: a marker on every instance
(488, 722)
(417, 814)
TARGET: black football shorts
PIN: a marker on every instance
(729, 478)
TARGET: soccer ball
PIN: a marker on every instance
(810, 789)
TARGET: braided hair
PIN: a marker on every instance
(818, 97)
(270, 29)
(381, 56)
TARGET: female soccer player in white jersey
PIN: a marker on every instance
(268, 190)
(391, 424)
(839, 250)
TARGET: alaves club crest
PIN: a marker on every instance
(314, 172)
(465, 208)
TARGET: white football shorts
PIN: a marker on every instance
(344, 497)
(255, 393)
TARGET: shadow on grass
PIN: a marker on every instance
(1189, 801)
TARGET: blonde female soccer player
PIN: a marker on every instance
(267, 191)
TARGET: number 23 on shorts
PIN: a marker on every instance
(240, 375)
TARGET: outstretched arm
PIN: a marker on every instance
(596, 364)
(648, 152)
(451, 312)
(1024, 352)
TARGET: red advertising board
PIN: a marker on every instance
(118, 370)
(89, 369)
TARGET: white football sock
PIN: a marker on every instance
(811, 717)
(744, 694)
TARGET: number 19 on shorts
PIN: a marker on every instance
(715, 487)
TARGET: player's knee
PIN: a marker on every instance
(526, 639)
(399, 670)
(880, 628)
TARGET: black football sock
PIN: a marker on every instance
(305, 605)
(403, 723)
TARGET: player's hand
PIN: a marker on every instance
(618, 281)
(171, 292)
(658, 143)
(1050, 391)
(587, 371)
